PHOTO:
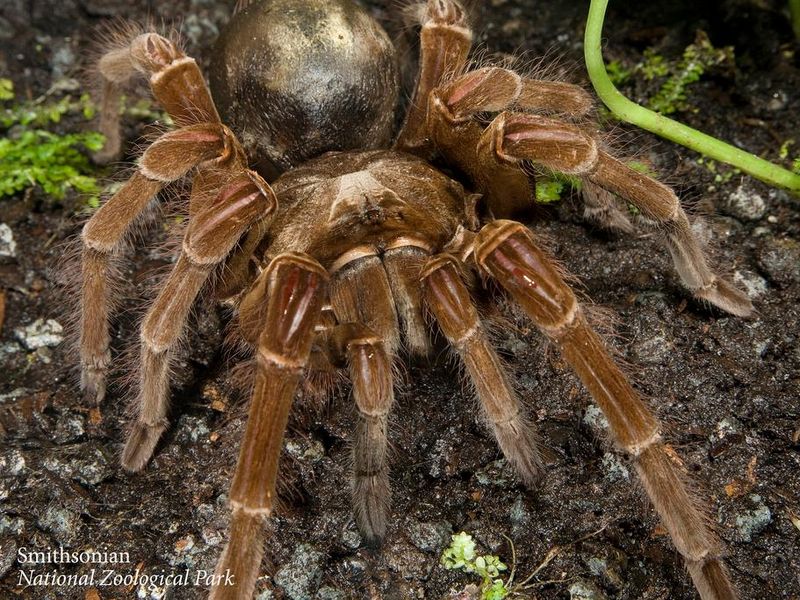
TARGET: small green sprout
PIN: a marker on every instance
(52, 161)
(461, 555)
(32, 155)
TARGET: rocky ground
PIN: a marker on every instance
(727, 388)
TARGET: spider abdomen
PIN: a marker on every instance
(296, 78)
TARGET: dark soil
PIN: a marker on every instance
(726, 387)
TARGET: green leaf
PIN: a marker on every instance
(6, 89)
(495, 591)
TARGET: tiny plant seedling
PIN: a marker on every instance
(461, 555)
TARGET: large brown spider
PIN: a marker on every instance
(357, 236)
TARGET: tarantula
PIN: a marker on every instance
(342, 236)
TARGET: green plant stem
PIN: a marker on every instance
(672, 130)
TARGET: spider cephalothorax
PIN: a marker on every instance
(333, 263)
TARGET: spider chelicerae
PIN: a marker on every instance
(343, 243)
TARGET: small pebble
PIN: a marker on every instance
(753, 284)
(653, 350)
(595, 419)
(351, 538)
(40, 334)
(585, 590)
(753, 521)
(12, 464)
(305, 449)
(430, 537)
(329, 593)
(64, 524)
(497, 473)
(519, 516)
(8, 556)
(780, 260)
(301, 576)
(745, 204)
(8, 247)
(614, 468)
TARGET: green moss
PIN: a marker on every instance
(31, 154)
(551, 188)
(678, 75)
(619, 75)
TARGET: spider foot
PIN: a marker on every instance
(141, 443)
(518, 441)
(93, 384)
(724, 295)
(370, 498)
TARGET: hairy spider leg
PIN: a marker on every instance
(169, 158)
(360, 293)
(445, 42)
(178, 85)
(450, 302)
(215, 227)
(403, 266)
(511, 139)
(175, 81)
(506, 250)
(370, 369)
(294, 288)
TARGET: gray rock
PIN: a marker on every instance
(192, 429)
(300, 577)
(11, 525)
(351, 537)
(753, 284)
(68, 428)
(8, 247)
(725, 427)
(519, 515)
(585, 590)
(780, 260)
(595, 419)
(12, 463)
(497, 473)
(62, 523)
(430, 537)
(305, 449)
(751, 522)
(653, 350)
(745, 204)
(8, 555)
(614, 468)
(62, 60)
(40, 334)
(329, 593)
